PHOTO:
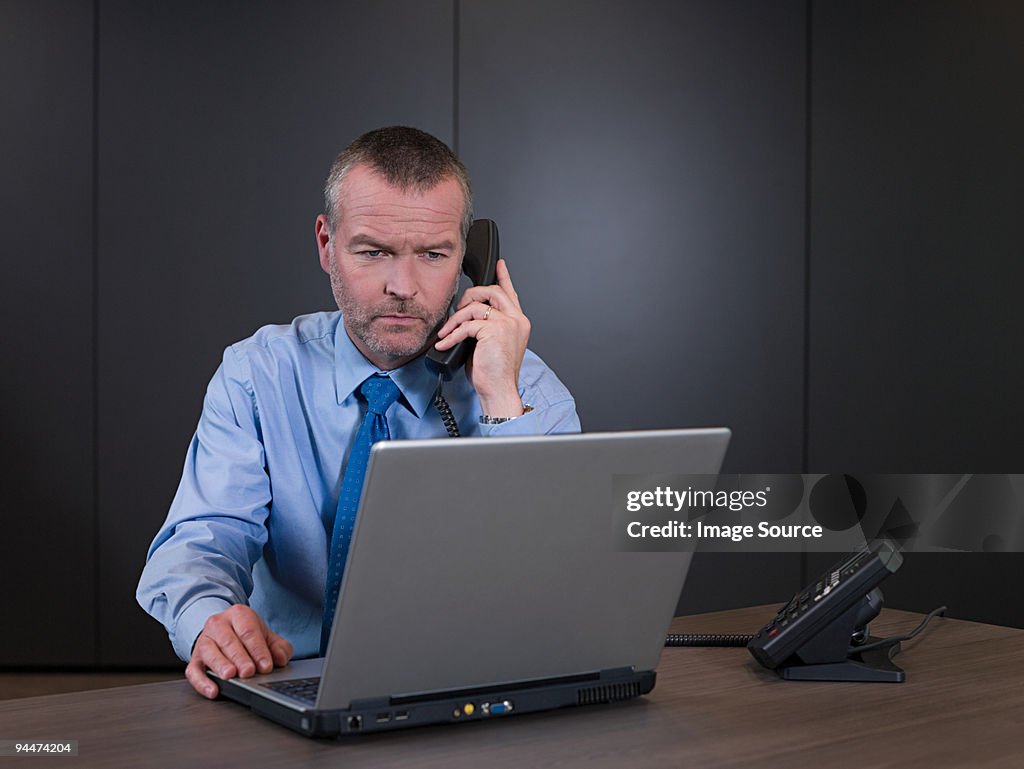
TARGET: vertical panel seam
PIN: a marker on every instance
(808, 70)
(456, 31)
(97, 614)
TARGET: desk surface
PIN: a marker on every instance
(961, 706)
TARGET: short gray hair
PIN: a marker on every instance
(407, 158)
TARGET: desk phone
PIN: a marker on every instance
(815, 636)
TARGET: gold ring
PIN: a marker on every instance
(488, 313)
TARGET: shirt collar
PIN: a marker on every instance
(415, 381)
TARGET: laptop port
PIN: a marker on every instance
(355, 723)
(383, 718)
(402, 715)
(499, 708)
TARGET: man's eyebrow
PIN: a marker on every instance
(444, 245)
(360, 241)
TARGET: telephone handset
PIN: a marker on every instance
(480, 265)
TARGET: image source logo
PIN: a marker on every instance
(826, 513)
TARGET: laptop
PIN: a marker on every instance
(483, 580)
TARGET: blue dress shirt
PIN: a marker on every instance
(251, 519)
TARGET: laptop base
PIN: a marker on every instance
(389, 713)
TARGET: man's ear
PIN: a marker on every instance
(323, 242)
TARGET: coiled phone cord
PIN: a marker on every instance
(446, 414)
(707, 639)
(735, 639)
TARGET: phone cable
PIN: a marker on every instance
(708, 639)
(739, 639)
(893, 640)
(446, 415)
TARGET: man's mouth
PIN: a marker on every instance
(400, 319)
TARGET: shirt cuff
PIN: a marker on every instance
(191, 621)
(552, 418)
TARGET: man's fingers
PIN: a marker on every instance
(200, 681)
(207, 656)
(471, 328)
(233, 648)
(481, 294)
(470, 312)
(253, 635)
(235, 642)
(280, 649)
(239, 634)
(495, 296)
(505, 281)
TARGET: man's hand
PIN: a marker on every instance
(491, 315)
(235, 642)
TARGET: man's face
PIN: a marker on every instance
(394, 259)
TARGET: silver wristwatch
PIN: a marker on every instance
(486, 420)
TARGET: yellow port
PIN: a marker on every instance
(468, 708)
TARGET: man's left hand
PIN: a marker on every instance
(491, 315)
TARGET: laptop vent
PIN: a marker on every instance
(607, 693)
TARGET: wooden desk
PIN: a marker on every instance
(961, 706)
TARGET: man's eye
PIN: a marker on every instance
(434, 256)
(374, 252)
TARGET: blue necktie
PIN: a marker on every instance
(380, 392)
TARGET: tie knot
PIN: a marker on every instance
(380, 392)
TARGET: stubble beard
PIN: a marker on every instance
(389, 341)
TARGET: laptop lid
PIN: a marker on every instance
(483, 561)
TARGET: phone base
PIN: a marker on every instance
(874, 666)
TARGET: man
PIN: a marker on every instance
(242, 570)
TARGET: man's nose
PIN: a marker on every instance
(401, 278)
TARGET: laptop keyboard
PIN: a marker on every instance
(301, 689)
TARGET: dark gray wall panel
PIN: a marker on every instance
(645, 163)
(218, 124)
(720, 581)
(47, 548)
(916, 237)
(916, 263)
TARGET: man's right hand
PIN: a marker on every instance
(235, 642)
